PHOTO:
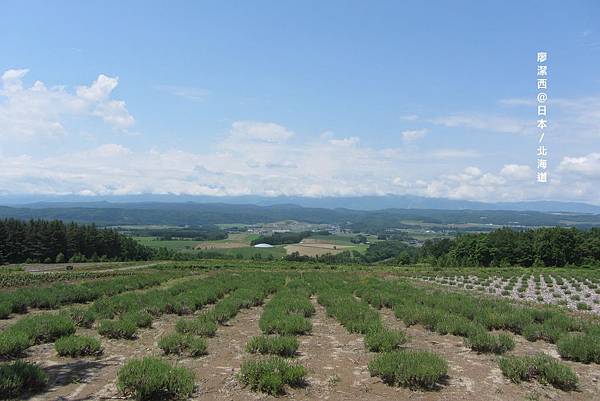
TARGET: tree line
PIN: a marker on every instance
(540, 247)
(56, 242)
(203, 233)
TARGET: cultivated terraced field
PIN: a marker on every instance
(253, 334)
(577, 291)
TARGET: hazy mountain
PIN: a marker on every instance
(355, 203)
(194, 213)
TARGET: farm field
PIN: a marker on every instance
(194, 331)
(577, 291)
(276, 252)
(178, 244)
(339, 239)
(323, 244)
(236, 246)
(314, 247)
(234, 240)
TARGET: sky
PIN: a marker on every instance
(299, 98)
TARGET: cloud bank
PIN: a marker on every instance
(268, 158)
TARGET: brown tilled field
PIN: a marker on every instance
(315, 247)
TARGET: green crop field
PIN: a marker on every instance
(176, 245)
(281, 328)
(240, 247)
(249, 252)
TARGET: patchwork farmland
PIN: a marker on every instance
(243, 330)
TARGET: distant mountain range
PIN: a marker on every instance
(355, 203)
(195, 213)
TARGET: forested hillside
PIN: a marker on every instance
(55, 241)
(373, 222)
(505, 247)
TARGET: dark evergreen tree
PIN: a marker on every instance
(43, 241)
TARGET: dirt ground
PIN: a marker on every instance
(88, 266)
(474, 376)
(336, 361)
(315, 249)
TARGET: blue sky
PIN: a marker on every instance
(298, 98)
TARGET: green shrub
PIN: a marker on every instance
(542, 367)
(139, 318)
(533, 332)
(277, 345)
(201, 326)
(117, 329)
(5, 309)
(197, 346)
(13, 343)
(154, 379)
(270, 375)
(177, 343)
(558, 374)
(409, 314)
(19, 377)
(384, 340)
(44, 328)
(583, 306)
(485, 342)
(580, 347)
(355, 316)
(413, 369)
(458, 326)
(276, 321)
(82, 317)
(74, 346)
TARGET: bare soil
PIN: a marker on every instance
(315, 249)
(335, 359)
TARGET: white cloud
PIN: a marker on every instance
(473, 171)
(485, 123)
(110, 150)
(259, 157)
(260, 131)
(571, 118)
(517, 172)
(11, 80)
(39, 111)
(99, 90)
(580, 117)
(588, 165)
(279, 169)
(114, 112)
(413, 135)
(350, 141)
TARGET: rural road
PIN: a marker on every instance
(42, 268)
